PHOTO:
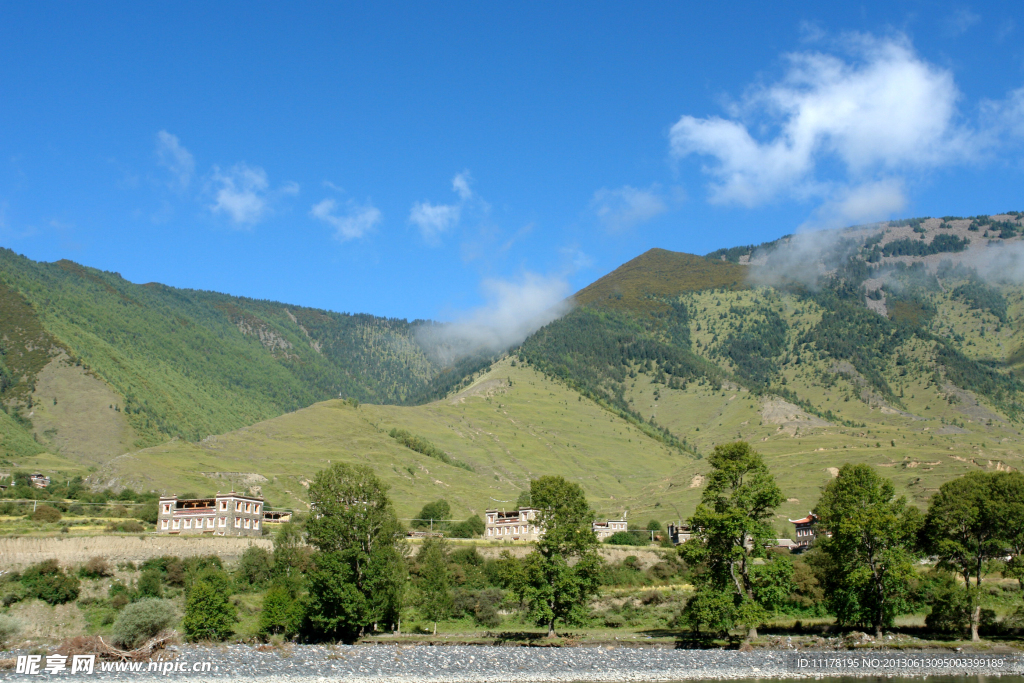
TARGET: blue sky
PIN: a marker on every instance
(475, 161)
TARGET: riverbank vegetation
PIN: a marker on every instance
(909, 578)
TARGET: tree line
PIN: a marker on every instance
(869, 541)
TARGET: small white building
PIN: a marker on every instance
(604, 530)
(520, 525)
(230, 514)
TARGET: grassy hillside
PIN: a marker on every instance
(510, 425)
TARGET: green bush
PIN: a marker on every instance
(150, 584)
(628, 538)
(48, 582)
(256, 567)
(951, 611)
(148, 513)
(9, 627)
(281, 613)
(96, 568)
(128, 526)
(209, 615)
(141, 621)
(45, 513)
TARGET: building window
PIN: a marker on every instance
(167, 509)
(188, 523)
(246, 523)
(238, 506)
(223, 521)
(238, 522)
(490, 532)
(177, 523)
(257, 508)
(164, 524)
(209, 523)
(255, 524)
(223, 505)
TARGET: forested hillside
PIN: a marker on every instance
(186, 363)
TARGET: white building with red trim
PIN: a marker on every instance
(230, 514)
(518, 525)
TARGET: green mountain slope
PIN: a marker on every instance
(903, 356)
(512, 424)
(186, 363)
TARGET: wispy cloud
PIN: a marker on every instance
(435, 220)
(845, 129)
(961, 21)
(514, 309)
(627, 206)
(353, 222)
(860, 204)
(241, 193)
(175, 158)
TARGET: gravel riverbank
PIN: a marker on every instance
(478, 664)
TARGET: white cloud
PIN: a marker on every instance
(872, 201)
(460, 184)
(356, 221)
(434, 220)
(513, 310)
(627, 206)
(883, 111)
(175, 158)
(1005, 116)
(241, 193)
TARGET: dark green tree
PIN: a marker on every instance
(525, 500)
(962, 528)
(435, 580)
(434, 516)
(1008, 488)
(358, 572)
(281, 612)
(209, 614)
(733, 523)
(870, 549)
(291, 554)
(256, 567)
(559, 577)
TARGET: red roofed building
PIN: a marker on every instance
(806, 530)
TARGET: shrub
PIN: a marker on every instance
(486, 610)
(48, 582)
(256, 567)
(208, 613)
(281, 613)
(482, 605)
(614, 621)
(150, 584)
(129, 526)
(951, 611)
(96, 568)
(148, 513)
(141, 621)
(45, 513)
(628, 538)
(9, 627)
(175, 573)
